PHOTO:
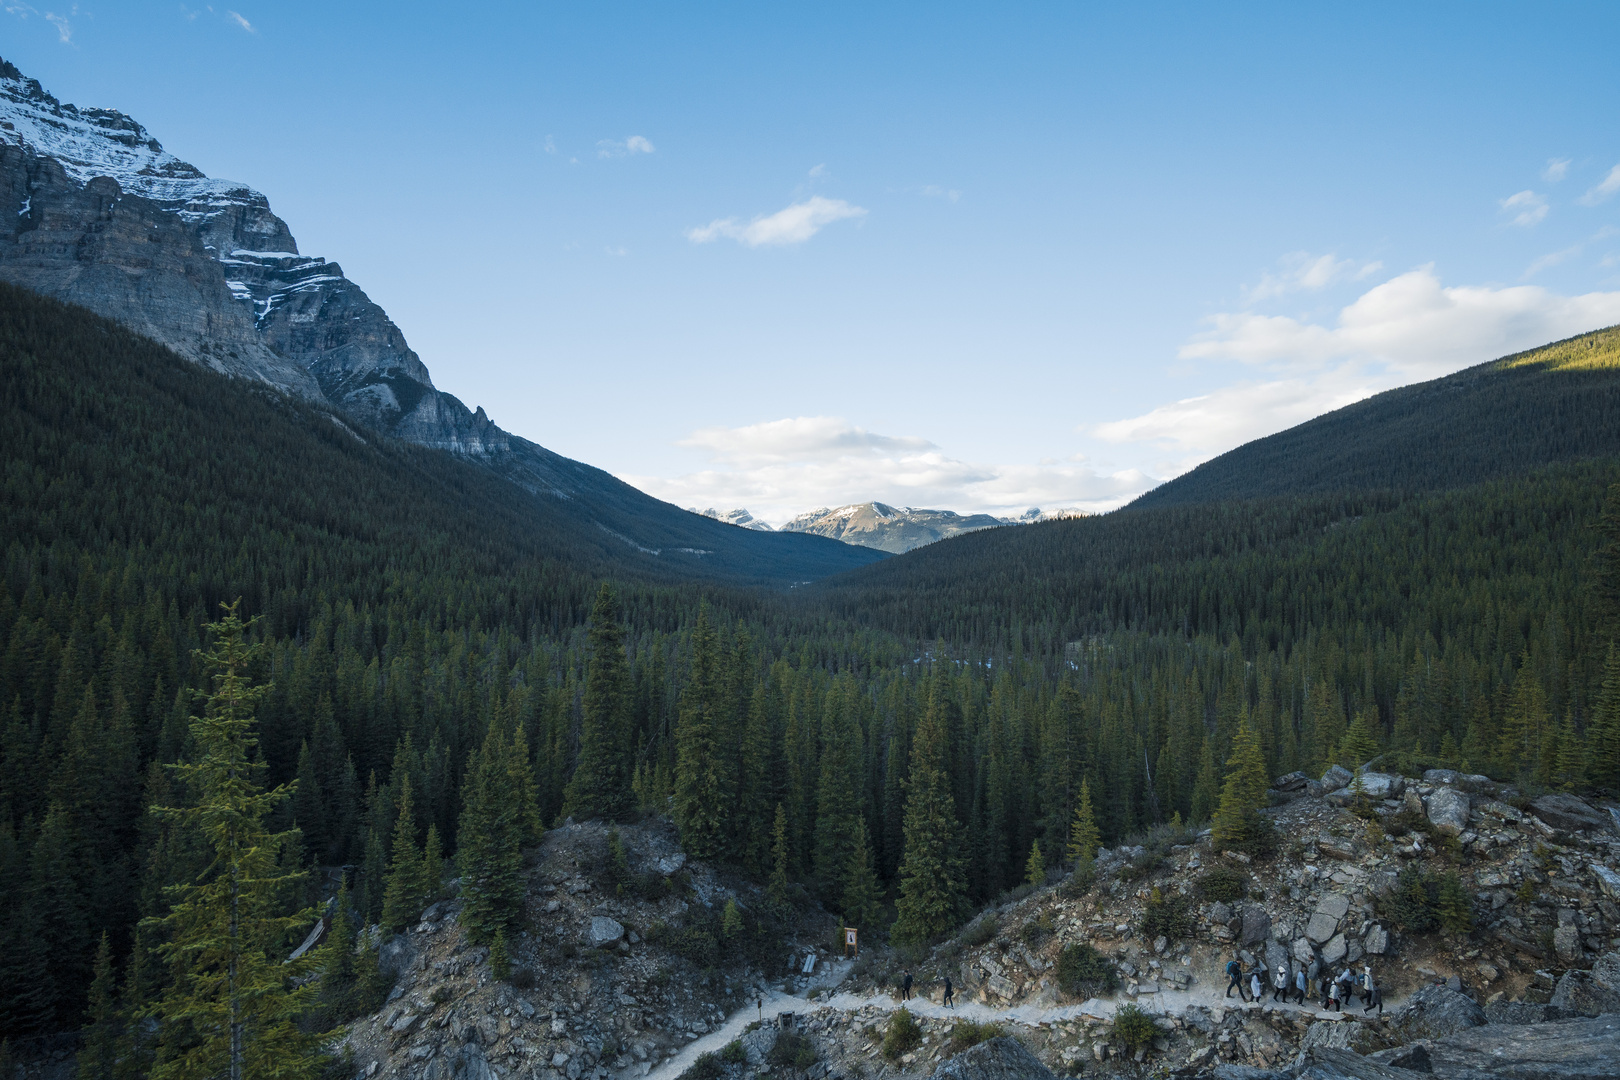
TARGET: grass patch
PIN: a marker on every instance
(793, 1051)
(902, 1035)
(980, 931)
(706, 1067)
(1167, 916)
(969, 1033)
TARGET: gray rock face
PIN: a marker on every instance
(1321, 927)
(1335, 949)
(1336, 777)
(1557, 1050)
(1256, 925)
(397, 955)
(605, 931)
(1001, 1058)
(1590, 993)
(1294, 781)
(1331, 1063)
(1568, 812)
(1524, 1012)
(1378, 785)
(1220, 913)
(1303, 953)
(1434, 1012)
(1448, 811)
(1376, 940)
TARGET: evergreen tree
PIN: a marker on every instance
(232, 1008)
(1084, 839)
(1604, 732)
(600, 786)
(862, 894)
(1237, 821)
(1360, 743)
(1206, 788)
(98, 1055)
(492, 831)
(340, 972)
(432, 880)
(838, 809)
(1035, 866)
(932, 881)
(776, 889)
(1569, 770)
(700, 791)
(1452, 906)
(731, 922)
(404, 896)
(500, 963)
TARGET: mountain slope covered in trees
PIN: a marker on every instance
(1560, 402)
(433, 675)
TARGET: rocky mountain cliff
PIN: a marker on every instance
(900, 529)
(101, 216)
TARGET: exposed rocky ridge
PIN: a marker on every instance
(93, 211)
(900, 529)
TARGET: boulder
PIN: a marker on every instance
(1580, 993)
(1557, 1050)
(1434, 1012)
(1607, 970)
(1381, 785)
(1414, 1058)
(1338, 847)
(1256, 925)
(1333, 1063)
(1336, 777)
(1001, 1058)
(1277, 960)
(1336, 904)
(1335, 949)
(396, 956)
(1568, 812)
(1303, 952)
(1608, 880)
(1567, 944)
(1294, 781)
(604, 931)
(670, 864)
(1376, 940)
(1524, 1012)
(1321, 927)
(1220, 913)
(1448, 811)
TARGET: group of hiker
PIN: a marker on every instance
(949, 1000)
(1333, 990)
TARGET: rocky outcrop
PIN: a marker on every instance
(1328, 1063)
(1001, 1058)
(1558, 1050)
(1590, 993)
(1569, 813)
(1448, 810)
(1434, 1012)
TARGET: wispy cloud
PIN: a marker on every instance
(239, 20)
(629, 147)
(1603, 189)
(781, 468)
(1300, 271)
(1553, 258)
(935, 191)
(1527, 208)
(1556, 170)
(62, 23)
(1410, 327)
(792, 225)
(64, 28)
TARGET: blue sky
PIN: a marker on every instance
(979, 257)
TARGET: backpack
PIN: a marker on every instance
(1233, 969)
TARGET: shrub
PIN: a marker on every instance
(522, 977)
(1410, 903)
(706, 1067)
(1133, 1027)
(1223, 884)
(793, 1050)
(1037, 930)
(1452, 905)
(733, 1053)
(969, 1033)
(1144, 865)
(980, 931)
(1084, 972)
(902, 1035)
(500, 964)
(1079, 883)
(1167, 916)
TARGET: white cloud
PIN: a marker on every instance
(64, 28)
(1527, 207)
(934, 191)
(1604, 188)
(781, 468)
(1408, 328)
(1551, 259)
(1556, 170)
(240, 21)
(630, 147)
(1301, 271)
(818, 171)
(551, 145)
(793, 225)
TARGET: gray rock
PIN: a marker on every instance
(1568, 812)
(670, 864)
(1558, 1050)
(604, 931)
(1414, 1058)
(1336, 904)
(1376, 940)
(1256, 925)
(1442, 776)
(1379, 785)
(1338, 847)
(1336, 777)
(1606, 971)
(1220, 913)
(1332, 1063)
(1434, 1012)
(1294, 781)
(1321, 927)
(1333, 1034)
(1579, 993)
(1303, 952)
(1277, 960)
(1524, 1012)
(1608, 880)
(1335, 949)
(1001, 1058)
(1448, 811)
(1567, 944)
(1245, 1072)
(396, 956)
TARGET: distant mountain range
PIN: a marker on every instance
(94, 212)
(895, 529)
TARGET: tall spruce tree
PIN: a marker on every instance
(1603, 735)
(1360, 742)
(98, 1055)
(403, 898)
(499, 815)
(1237, 820)
(862, 894)
(700, 790)
(600, 786)
(233, 1007)
(932, 878)
(1084, 839)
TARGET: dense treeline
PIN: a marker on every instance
(439, 679)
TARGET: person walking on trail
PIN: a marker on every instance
(1280, 981)
(1335, 995)
(905, 985)
(1255, 990)
(1234, 972)
(950, 993)
(1300, 982)
(1374, 996)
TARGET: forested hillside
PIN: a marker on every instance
(898, 739)
(1557, 403)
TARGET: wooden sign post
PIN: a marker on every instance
(851, 947)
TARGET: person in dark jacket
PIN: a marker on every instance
(950, 993)
(905, 986)
(1234, 972)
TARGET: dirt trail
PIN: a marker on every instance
(1168, 1003)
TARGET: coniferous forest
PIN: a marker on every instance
(415, 671)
